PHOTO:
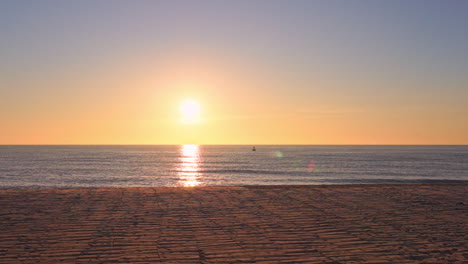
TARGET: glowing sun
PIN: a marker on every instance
(190, 111)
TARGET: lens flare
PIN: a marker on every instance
(311, 166)
(279, 154)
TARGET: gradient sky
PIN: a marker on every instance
(263, 72)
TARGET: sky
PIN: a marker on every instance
(261, 72)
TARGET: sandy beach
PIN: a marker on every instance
(253, 224)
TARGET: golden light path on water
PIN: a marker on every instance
(189, 170)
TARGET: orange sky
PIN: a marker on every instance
(143, 107)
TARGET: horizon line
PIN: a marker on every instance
(234, 144)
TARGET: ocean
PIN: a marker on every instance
(210, 165)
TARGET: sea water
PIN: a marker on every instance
(192, 165)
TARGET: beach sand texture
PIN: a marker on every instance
(252, 224)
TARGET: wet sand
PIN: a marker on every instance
(282, 224)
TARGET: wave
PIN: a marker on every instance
(245, 171)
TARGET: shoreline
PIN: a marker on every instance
(443, 183)
(358, 223)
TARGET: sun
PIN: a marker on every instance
(190, 111)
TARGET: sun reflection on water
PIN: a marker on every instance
(189, 171)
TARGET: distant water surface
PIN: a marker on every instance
(192, 165)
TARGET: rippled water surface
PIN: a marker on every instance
(192, 165)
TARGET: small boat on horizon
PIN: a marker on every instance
(253, 149)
